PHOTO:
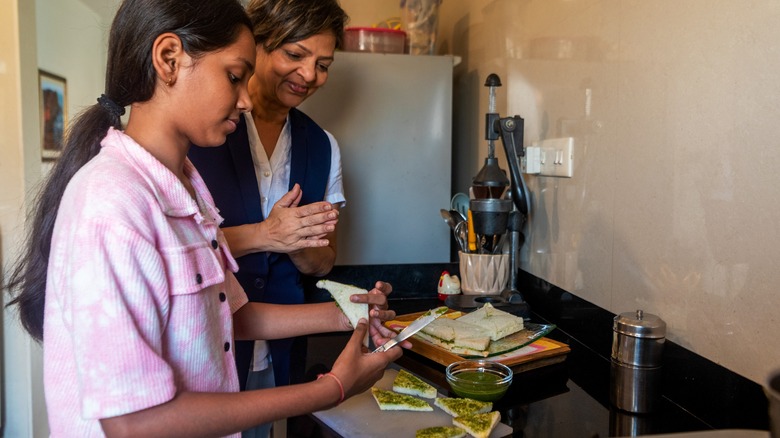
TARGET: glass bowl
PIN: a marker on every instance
(482, 380)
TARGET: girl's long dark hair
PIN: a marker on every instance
(203, 26)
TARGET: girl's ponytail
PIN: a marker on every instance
(27, 281)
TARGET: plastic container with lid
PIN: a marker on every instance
(374, 40)
(637, 350)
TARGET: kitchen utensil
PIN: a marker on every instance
(457, 216)
(482, 380)
(414, 327)
(472, 237)
(447, 216)
(637, 345)
(461, 235)
(460, 202)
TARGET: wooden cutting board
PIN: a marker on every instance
(360, 416)
(541, 352)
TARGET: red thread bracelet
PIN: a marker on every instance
(341, 387)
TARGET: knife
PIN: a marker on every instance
(413, 328)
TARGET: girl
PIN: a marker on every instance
(141, 307)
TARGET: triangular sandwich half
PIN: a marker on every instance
(458, 407)
(440, 432)
(407, 383)
(456, 336)
(478, 425)
(496, 323)
(393, 401)
(341, 293)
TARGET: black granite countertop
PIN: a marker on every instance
(571, 398)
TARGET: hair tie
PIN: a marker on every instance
(112, 107)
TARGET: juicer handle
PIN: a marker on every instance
(511, 129)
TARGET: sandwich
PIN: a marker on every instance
(478, 425)
(456, 336)
(496, 323)
(458, 407)
(407, 383)
(440, 432)
(341, 293)
(393, 401)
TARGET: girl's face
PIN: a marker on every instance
(215, 92)
(288, 75)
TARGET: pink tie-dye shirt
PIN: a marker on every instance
(140, 293)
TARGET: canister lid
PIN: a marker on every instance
(640, 325)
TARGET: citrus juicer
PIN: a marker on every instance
(496, 211)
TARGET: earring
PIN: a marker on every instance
(169, 81)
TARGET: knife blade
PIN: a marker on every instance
(416, 325)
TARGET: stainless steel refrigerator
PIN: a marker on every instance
(392, 117)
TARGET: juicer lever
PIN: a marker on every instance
(511, 129)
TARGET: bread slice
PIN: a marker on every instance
(478, 425)
(440, 432)
(393, 401)
(341, 293)
(458, 332)
(496, 323)
(458, 407)
(452, 348)
(407, 383)
(456, 336)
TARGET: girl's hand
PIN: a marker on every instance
(359, 370)
(379, 312)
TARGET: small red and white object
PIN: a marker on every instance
(448, 285)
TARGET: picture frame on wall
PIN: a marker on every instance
(53, 101)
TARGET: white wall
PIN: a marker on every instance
(69, 41)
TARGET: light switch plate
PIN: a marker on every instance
(556, 157)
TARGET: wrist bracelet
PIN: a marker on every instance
(338, 381)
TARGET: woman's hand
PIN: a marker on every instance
(289, 228)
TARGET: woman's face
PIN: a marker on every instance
(285, 77)
(216, 92)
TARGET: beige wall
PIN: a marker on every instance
(673, 107)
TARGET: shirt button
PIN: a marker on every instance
(266, 173)
(198, 278)
(227, 346)
(214, 244)
(222, 297)
(259, 283)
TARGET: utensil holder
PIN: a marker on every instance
(485, 274)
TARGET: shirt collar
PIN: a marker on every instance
(170, 192)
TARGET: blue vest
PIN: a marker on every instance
(229, 173)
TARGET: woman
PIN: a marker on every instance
(140, 306)
(277, 148)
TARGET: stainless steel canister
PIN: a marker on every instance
(637, 348)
